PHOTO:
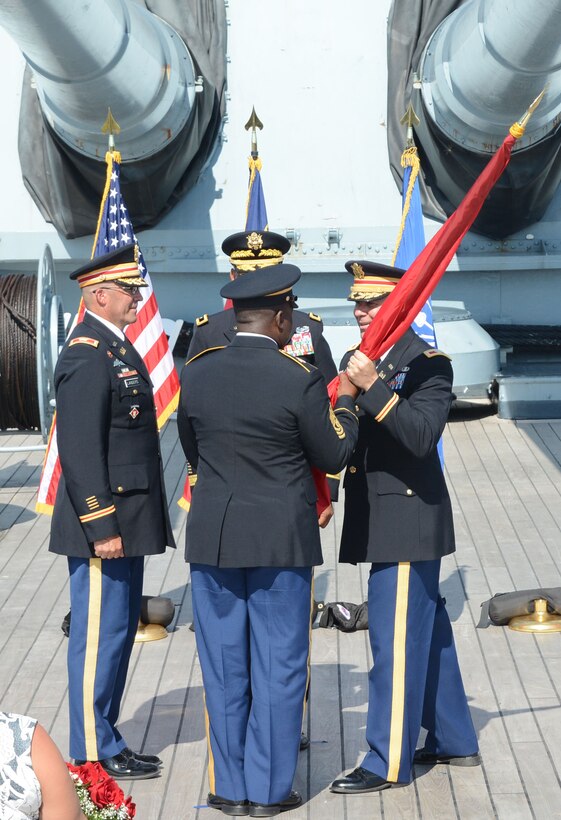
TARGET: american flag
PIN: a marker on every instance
(114, 230)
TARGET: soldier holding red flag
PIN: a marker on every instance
(398, 518)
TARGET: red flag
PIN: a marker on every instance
(416, 285)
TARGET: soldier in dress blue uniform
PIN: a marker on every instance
(398, 517)
(110, 509)
(262, 250)
(252, 420)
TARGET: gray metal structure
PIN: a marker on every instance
(83, 56)
(486, 58)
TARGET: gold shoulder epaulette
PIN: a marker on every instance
(84, 340)
(296, 361)
(315, 317)
(201, 320)
(202, 353)
(434, 352)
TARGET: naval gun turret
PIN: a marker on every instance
(470, 68)
(477, 69)
(163, 78)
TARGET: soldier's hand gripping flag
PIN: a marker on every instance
(114, 230)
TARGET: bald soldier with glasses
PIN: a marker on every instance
(110, 509)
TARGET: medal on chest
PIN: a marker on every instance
(301, 343)
(396, 383)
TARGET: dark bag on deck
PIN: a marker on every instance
(344, 616)
(503, 606)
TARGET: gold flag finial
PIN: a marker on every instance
(518, 128)
(254, 123)
(410, 119)
(112, 126)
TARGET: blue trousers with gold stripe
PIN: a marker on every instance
(105, 599)
(415, 680)
(253, 636)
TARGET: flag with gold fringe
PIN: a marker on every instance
(411, 241)
(411, 237)
(255, 211)
(114, 230)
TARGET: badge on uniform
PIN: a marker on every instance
(301, 343)
(133, 382)
(122, 350)
(134, 411)
(397, 382)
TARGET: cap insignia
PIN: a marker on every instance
(254, 241)
(357, 270)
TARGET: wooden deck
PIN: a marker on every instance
(505, 482)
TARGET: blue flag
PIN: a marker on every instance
(256, 212)
(412, 242)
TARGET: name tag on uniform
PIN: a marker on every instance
(132, 382)
(301, 343)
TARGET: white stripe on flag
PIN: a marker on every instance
(162, 370)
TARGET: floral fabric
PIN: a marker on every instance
(20, 793)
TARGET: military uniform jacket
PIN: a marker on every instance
(252, 419)
(307, 343)
(397, 506)
(112, 479)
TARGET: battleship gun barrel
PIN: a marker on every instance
(89, 56)
(485, 63)
(478, 69)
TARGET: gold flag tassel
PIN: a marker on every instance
(409, 159)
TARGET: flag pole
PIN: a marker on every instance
(254, 123)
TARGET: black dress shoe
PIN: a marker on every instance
(304, 742)
(230, 807)
(293, 800)
(143, 758)
(122, 766)
(425, 758)
(361, 781)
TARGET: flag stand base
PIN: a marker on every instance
(150, 632)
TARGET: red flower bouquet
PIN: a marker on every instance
(99, 795)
